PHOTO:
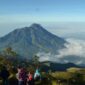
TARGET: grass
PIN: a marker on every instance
(54, 82)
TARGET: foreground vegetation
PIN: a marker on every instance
(56, 78)
(72, 76)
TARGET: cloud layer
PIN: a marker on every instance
(74, 52)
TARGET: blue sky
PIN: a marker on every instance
(58, 16)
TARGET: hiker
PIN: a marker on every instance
(30, 79)
(21, 76)
(4, 75)
(37, 75)
(13, 80)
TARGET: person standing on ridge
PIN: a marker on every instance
(37, 75)
(21, 76)
(30, 79)
(4, 75)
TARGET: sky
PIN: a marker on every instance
(60, 17)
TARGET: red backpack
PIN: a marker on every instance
(30, 77)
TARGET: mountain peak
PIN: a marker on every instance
(35, 25)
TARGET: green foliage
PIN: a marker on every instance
(73, 76)
(9, 51)
(35, 61)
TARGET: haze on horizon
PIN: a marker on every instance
(61, 17)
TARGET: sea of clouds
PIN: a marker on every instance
(73, 53)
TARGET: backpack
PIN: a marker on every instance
(30, 77)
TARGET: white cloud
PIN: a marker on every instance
(74, 52)
(75, 47)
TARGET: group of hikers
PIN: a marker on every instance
(23, 77)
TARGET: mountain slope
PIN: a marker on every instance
(28, 41)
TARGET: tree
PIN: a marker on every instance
(10, 52)
(35, 60)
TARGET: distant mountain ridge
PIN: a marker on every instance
(28, 41)
(46, 66)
